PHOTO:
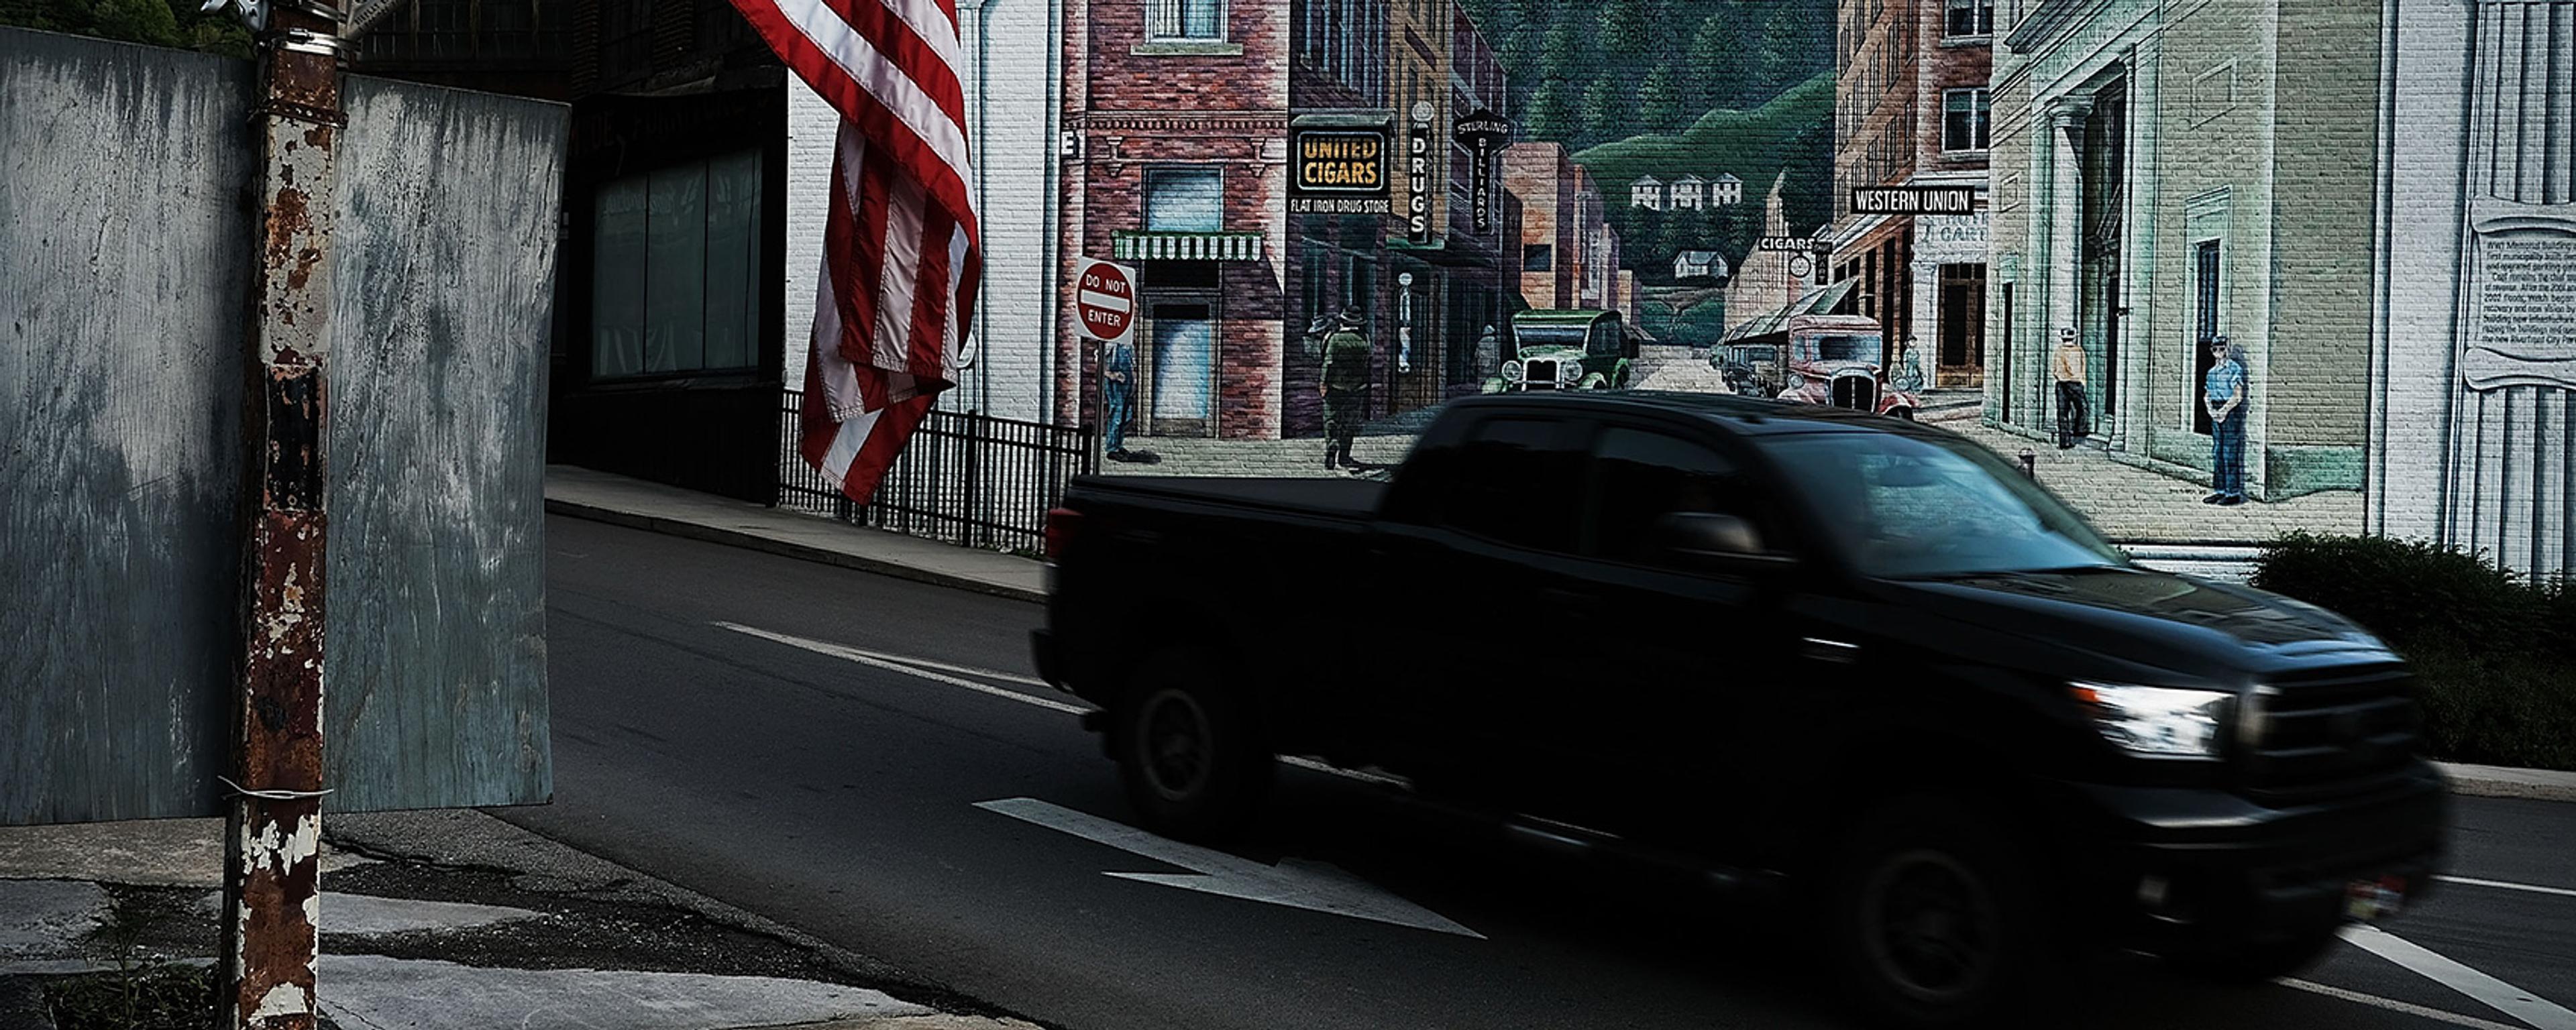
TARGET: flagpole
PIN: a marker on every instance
(272, 850)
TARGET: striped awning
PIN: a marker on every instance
(1185, 246)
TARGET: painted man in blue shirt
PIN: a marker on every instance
(1117, 386)
(2222, 393)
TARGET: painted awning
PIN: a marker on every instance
(1185, 246)
(1816, 302)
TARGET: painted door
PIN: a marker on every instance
(1182, 398)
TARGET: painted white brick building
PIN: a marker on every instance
(1011, 70)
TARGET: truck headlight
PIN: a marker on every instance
(2157, 722)
(1567, 372)
(1512, 371)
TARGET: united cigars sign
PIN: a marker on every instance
(1341, 165)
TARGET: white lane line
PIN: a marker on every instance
(2503, 885)
(902, 665)
(924, 668)
(2393, 1005)
(2486, 990)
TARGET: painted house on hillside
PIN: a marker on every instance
(1699, 264)
(1647, 192)
(1726, 190)
(1690, 192)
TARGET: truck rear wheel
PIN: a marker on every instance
(1190, 753)
(1936, 918)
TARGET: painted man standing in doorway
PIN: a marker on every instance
(1345, 387)
(2223, 394)
(2068, 369)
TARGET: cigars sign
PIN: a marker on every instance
(1341, 164)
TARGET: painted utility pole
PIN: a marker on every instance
(272, 879)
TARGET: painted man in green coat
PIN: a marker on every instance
(1345, 388)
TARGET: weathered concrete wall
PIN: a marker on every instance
(125, 245)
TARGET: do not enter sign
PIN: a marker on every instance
(1105, 300)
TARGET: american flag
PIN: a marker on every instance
(901, 251)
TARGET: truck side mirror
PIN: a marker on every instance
(1710, 538)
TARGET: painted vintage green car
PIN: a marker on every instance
(1567, 350)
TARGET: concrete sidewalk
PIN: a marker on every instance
(606, 497)
(446, 920)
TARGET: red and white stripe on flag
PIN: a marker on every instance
(901, 251)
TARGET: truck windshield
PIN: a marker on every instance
(1845, 347)
(1529, 336)
(1906, 507)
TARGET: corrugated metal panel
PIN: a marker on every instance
(125, 250)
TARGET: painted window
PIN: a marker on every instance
(1185, 19)
(1970, 18)
(1963, 120)
(1538, 257)
(1184, 200)
(673, 270)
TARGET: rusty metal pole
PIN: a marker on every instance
(273, 885)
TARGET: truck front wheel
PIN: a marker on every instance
(1937, 918)
(1189, 752)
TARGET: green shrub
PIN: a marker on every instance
(2496, 652)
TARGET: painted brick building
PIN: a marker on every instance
(1177, 117)
(1912, 109)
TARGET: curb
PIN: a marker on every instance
(786, 549)
(2495, 781)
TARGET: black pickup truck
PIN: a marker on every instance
(1861, 660)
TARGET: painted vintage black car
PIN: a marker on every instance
(1858, 663)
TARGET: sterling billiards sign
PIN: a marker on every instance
(1340, 165)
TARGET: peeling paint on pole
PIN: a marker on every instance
(274, 883)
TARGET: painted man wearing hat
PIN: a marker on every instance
(2068, 368)
(1345, 385)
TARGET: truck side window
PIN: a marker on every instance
(1514, 481)
(1641, 476)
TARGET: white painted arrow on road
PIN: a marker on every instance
(1297, 883)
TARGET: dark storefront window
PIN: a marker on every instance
(1963, 315)
(2205, 320)
(673, 276)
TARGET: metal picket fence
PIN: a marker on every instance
(966, 478)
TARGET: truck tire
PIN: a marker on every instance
(1935, 917)
(1190, 754)
(2254, 962)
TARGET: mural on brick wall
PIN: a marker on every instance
(1345, 213)
(2210, 270)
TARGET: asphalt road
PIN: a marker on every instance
(839, 793)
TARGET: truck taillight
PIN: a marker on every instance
(1061, 523)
